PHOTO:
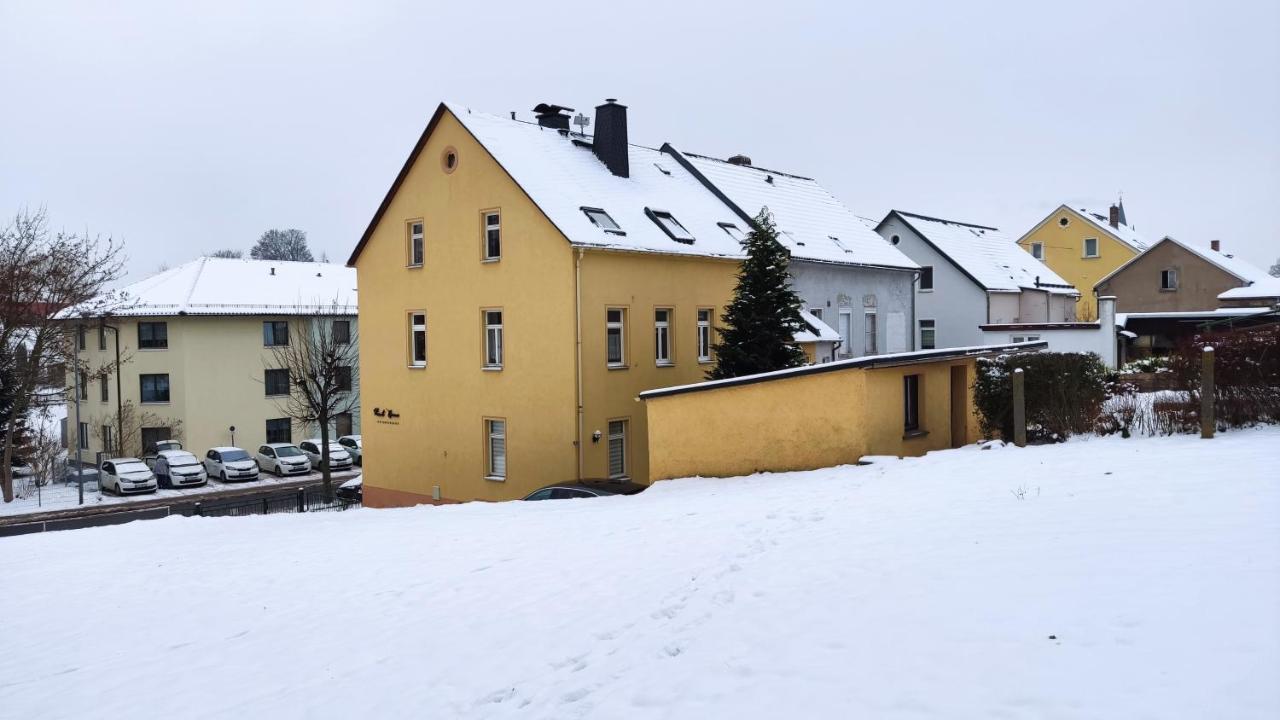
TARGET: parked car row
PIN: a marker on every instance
(169, 466)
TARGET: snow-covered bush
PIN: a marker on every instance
(1246, 374)
(1064, 394)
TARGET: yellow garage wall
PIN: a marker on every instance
(438, 439)
(1064, 254)
(801, 422)
(641, 283)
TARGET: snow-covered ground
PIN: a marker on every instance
(1103, 578)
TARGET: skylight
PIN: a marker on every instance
(670, 225)
(733, 231)
(661, 169)
(839, 244)
(601, 219)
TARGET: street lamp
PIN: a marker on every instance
(233, 435)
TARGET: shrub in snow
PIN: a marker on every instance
(1246, 374)
(1064, 394)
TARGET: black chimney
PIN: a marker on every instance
(610, 143)
(1215, 245)
(1114, 216)
(549, 116)
(739, 160)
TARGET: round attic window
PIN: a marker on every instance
(449, 160)
(1063, 222)
(895, 240)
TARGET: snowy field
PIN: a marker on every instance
(1103, 578)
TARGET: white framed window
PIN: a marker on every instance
(704, 334)
(662, 336)
(1169, 279)
(617, 449)
(418, 339)
(603, 220)
(495, 431)
(83, 435)
(492, 235)
(928, 335)
(493, 339)
(1037, 250)
(670, 225)
(108, 439)
(1025, 338)
(926, 278)
(615, 337)
(415, 244)
(1091, 247)
(869, 332)
(846, 332)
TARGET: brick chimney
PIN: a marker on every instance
(610, 142)
(1115, 216)
(1215, 245)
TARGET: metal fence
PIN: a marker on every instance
(309, 499)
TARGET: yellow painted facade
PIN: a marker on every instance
(1064, 254)
(809, 420)
(425, 432)
(215, 366)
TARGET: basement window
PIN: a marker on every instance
(733, 231)
(601, 219)
(670, 225)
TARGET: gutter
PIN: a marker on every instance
(577, 361)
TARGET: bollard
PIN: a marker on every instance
(1019, 409)
(1207, 393)
(199, 510)
(302, 499)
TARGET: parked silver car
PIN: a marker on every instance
(283, 459)
(126, 476)
(338, 455)
(179, 468)
(230, 463)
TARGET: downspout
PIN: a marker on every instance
(577, 365)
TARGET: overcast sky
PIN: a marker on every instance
(185, 130)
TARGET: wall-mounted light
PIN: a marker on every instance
(595, 437)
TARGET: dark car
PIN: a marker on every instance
(351, 490)
(586, 489)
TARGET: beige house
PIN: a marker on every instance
(196, 348)
(1174, 276)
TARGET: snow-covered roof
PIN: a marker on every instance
(984, 253)
(232, 286)
(1237, 267)
(1121, 232)
(812, 223)
(1122, 319)
(1262, 289)
(817, 331)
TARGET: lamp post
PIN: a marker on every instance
(233, 435)
(79, 438)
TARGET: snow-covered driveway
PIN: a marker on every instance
(1104, 578)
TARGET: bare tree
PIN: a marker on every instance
(41, 274)
(276, 244)
(227, 253)
(130, 423)
(1275, 269)
(322, 360)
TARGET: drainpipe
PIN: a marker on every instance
(577, 365)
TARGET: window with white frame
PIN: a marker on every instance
(926, 277)
(417, 339)
(615, 340)
(662, 336)
(1169, 279)
(846, 332)
(1025, 338)
(869, 332)
(704, 334)
(83, 435)
(493, 339)
(415, 245)
(495, 449)
(603, 220)
(617, 449)
(1037, 250)
(928, 335)
(492, 236)
(102, 337)
(1091, 247)
(108, 440)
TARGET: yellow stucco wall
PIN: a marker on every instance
(802, 422)
(1064, 254)
(215, 366)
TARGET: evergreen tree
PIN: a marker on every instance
(760, 324)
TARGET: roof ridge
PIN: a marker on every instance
(944, 220)
(749, 167)
(194, 282)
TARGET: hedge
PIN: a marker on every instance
(1064, 394)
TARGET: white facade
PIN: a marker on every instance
(1096, 337)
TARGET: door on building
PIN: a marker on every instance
(959, 406)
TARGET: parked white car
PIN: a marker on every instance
(354, 447)
(283, 459)
(126, 475)
(230, 463)
(179, 468)
(158, 447)
(338, 455)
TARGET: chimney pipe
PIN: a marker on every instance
(1115, 216)
(610, 143)
(1216, 245)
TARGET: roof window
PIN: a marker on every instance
(670, 225)
(733, 231)
(839, 244)
(601, 219)
(661, 169)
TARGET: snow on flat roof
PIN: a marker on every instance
(1124, 233)
(812, 223)
(995, 261)
(232, 286)
(1263, 288)
(1123, 318)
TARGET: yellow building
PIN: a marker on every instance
(521, 284)
(195, 344)
(1083, 247)
(904, 405)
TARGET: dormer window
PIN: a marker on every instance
(732, 231)
(670, 225)
(601, 219)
